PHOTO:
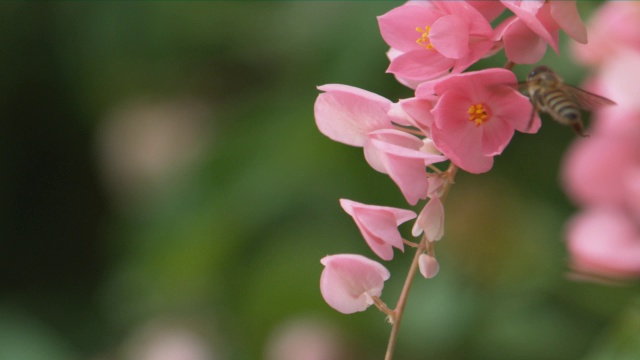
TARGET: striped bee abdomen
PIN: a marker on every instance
(561, 106)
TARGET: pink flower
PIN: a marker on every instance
(613, 28)
(379, 225)
(349, 282)
(360, 118)
(430, 220)
(605, 242)
(404, 157)
(537, 22)
(476, 115)
(603, 170)
(428, 266)
(347, 114)
(431, 39)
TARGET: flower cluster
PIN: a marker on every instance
(602, 173)
(465, 118)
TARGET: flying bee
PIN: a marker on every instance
(548, 93)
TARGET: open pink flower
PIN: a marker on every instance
(606, 242)
(404, 157)
(431, 39)
(538, 22)
(349, 282)
(379, 225)
(476, 115)
(347, 114)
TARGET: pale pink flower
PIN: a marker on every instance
(603, 170)
(379, 225)
(614, 27)
(476, 115)
(430, 221)
(403, 157)
(619, 80)
(606, 242)
(431, 40)
(428, 266)
(538, 22)
(349, 282)
(347, 114)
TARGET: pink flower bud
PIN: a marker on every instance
(428, 265)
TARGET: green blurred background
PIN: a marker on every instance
(162, 178)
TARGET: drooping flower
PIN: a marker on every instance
(430, 221)
(349, 282)
(606, 242)
(379, 225)
(428, 266)
(476, 115)
(403, 157)
(535, 24)
(432, 38)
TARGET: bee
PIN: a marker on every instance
(548, 93)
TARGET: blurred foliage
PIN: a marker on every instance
(231, 240)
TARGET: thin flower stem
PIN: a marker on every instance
(509, 65)
(383, 307)
(424, 245)
(410, 243)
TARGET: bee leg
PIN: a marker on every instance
(578, 129)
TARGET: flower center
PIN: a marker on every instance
(424, 40)
(478, 114)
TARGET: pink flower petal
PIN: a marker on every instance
(408, 173)
(522, 45)
(566, 14)
(419, 110)
(450, 36)
(605, 241)
(496, 135)
(348, 282)
(430, 220)
(428, 266)
(400, 155)
(514, 108)
(489, 9)
(346, 114)
(379, 225)
(420, 65)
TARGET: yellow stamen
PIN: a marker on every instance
(424, 40)
(478, 114)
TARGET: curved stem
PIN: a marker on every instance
(402, 301)
(424, 245)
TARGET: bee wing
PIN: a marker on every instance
(587, 100)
